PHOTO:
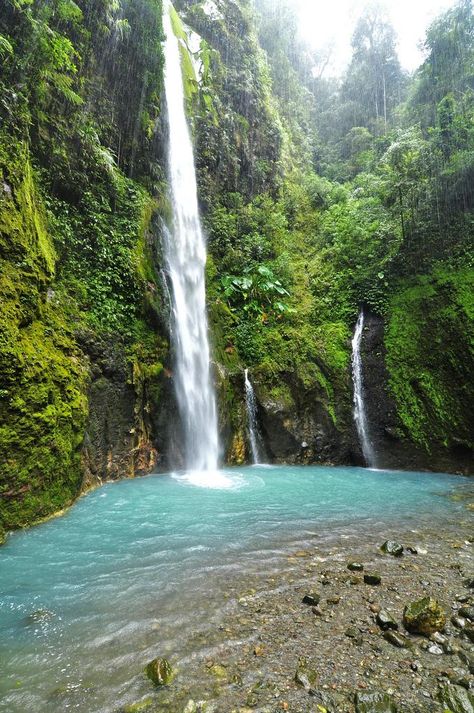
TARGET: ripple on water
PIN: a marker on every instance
(145, 567)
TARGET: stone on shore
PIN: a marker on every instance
(374, 702)
(372, 578)
(424, 616)
(392, 548)
(385, 621)
(160, 672)
(312, 599)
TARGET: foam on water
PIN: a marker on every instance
(213, 479)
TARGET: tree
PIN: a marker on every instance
(374, 81)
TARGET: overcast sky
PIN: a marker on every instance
(332, 21)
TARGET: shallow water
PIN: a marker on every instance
(141, 568)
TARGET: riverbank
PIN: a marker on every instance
(271, 652)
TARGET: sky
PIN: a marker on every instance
(324, 22)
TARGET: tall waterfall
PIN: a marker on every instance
(185, 253)
(251, 405)
(360, 415)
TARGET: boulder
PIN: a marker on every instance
(424, 616)
(160, 672)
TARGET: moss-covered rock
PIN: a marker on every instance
(456, 699)
(160, 672)
(424, 616)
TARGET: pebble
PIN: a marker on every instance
(435, 649)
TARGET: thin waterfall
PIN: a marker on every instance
(185, 254)
(360, 415)
(251, 404)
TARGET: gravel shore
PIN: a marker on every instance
(271, 652)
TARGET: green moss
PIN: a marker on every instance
(430, 357)
(43, 376)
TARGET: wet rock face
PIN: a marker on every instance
(296, 424)
(118, 440)
(392, 446)
(425, 617)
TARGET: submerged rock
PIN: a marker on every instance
(160, 672)
(392, 548)
(374, 702)
(424, 616)
(456, 699)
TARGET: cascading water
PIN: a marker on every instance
(251, 405)
(185, 253)
(360, 415)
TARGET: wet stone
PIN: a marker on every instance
(456, 699)
(396, 639)
(354, 634)
(312, 599)
(160, 672)
(458, 621)
(372, 578)
(374, 702)
(467, 613)
(390, 547)
(469, 633)
(424, 616)
(305, 676)
(355, 567)
(385, 621)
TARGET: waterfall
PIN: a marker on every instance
(185, 254)
(251, 405)
(360, 416)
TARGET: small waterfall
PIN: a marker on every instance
(251, 405)
(360, 416)
(185, 253)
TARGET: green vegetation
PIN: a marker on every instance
(76, 253)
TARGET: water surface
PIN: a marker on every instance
(140, 568)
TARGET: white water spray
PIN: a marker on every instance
(185, 253)
(251, 405)
(360, 415)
